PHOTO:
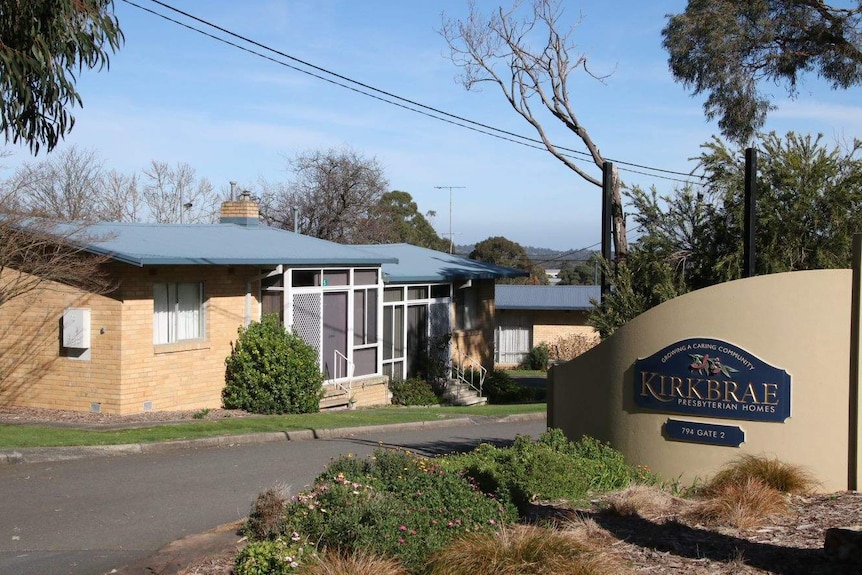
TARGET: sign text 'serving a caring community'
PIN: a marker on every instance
(712, 378)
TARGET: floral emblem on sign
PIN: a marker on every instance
(705, 365)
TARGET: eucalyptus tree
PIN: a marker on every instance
(44, 44)
(729, 49)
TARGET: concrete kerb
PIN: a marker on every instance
(47, 454)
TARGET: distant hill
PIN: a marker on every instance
(546, 257)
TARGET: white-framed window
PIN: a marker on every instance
(178, 312)
(466, 308)
(365, 317)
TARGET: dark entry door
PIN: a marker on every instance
(417, 339)
(334, 334)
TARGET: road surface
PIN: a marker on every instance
(88, 516)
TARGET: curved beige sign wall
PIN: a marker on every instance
(796, 322)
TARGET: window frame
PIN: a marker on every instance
(174, 312)
(466, 308)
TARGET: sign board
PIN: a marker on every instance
(709, 433)
(711, 378)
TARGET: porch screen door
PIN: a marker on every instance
(335, 334)
(417, 338)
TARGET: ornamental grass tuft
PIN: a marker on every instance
(356, 563)
(525, 550)
(783, 477)
(743, 504)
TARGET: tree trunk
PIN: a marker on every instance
(621, 244)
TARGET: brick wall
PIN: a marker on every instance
(239, 209)
(478, 343)
(371, 391)
(125, 370)
(36, 371)
(548, 326)
(187, 374)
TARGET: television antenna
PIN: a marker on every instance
(450, 234)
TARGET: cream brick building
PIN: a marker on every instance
(159, 341)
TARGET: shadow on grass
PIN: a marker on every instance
(531, 382)
(684, 541)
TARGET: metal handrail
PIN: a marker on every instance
(467, 364)
(349, 369)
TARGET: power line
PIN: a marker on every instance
(323, 78)
(484, 127)
(562, 257)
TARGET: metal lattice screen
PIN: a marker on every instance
(439, 318)
(307, 312)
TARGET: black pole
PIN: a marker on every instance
(607, 184)
(748, 243)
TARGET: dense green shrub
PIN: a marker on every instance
(499, 387)
(394, 504)
(272, 371)
(551, 468)
(413, 391)
(538, 357)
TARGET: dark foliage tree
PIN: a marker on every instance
(579, 273)
(726, 48)
(398, 220)
(504, 252)
(43, 45)
(497, 49)
(809, 206)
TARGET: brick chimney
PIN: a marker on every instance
(243, 212)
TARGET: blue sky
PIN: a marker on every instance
(174, 95)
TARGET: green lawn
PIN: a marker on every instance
(25, 436)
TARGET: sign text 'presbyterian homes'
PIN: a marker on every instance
(712, 378)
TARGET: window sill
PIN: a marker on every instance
(188, 345)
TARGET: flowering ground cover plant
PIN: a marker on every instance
(395, 503)
(399, 505)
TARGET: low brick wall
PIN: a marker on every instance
(371, 392)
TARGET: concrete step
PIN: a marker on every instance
(463, 401)
(456, 393)
(334, 398)
(460, 393)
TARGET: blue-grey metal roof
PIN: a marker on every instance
(415, 264)
(545, 297)
(216, 244)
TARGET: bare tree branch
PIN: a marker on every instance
(168, 191)
(337, 193)
(498, 50)
(40, 254)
